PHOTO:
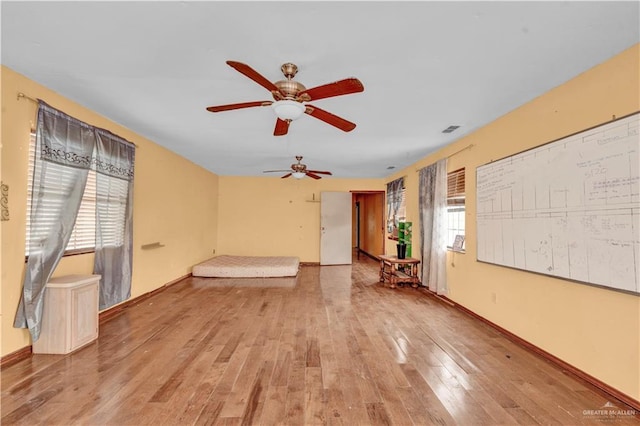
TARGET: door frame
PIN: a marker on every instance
(382, 234)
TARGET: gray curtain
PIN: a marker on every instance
(114, 159)
(65, 146)
(394, 199)
(433, 225)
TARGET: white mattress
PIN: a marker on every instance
(247, 267)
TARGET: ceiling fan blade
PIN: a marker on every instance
(282, 127)
(275, 171)
(311, 175)
(318, 172)
(286, 176)
(253, 75)
(329, 118)
(220, 108)
(337, 88)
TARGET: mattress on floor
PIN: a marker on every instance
(227, 266)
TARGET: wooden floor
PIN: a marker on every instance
(333, 346)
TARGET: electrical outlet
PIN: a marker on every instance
(494, 298)
(214, 251)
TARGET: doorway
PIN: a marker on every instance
(368, 222)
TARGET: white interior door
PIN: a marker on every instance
(335, 228)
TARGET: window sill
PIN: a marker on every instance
(456, 251)
(70, 253)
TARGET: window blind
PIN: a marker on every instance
(83, 235)
(112, 196)
(455, 187)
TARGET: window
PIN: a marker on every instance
(455, 205)
(83, 236)
(395, 189)
(401, 216)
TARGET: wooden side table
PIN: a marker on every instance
(389, 271)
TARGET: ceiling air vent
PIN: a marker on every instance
(450, 129)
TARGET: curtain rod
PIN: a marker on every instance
(23, 96)
(460, 150)
(451, 155)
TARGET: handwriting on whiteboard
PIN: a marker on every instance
(569, 208)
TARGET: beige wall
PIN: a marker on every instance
(269, 216)
(175, 203)
(593, 329)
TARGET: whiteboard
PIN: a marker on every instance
(569, 208)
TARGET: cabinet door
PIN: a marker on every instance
(84, 321)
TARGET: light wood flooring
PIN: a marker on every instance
(333, 346)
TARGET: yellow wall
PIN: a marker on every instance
(593, 329)
(175, 203)
(269, 216)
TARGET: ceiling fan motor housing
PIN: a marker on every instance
(289, 89)
(298, 167)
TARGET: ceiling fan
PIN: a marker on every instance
(299, 170)
(289, 97)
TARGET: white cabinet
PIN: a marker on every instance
(70, 315)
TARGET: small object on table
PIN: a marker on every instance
(398, 271)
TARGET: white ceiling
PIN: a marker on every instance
(154, 67)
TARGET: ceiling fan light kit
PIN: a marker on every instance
(288, 110)
(298, 175)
